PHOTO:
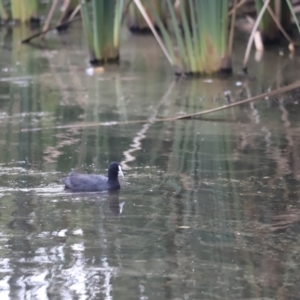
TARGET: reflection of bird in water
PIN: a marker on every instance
(114, 204)
(77, 182)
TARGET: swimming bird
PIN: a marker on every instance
(78, 182)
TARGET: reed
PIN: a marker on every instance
(102, 22)
(135, 21)
(202, 37)
(24, 10)
(3, 14)
(269, 30)
(291, 8)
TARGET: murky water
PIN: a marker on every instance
(209, 208)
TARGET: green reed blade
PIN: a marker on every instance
(98, 30)
(117, 22)
(3, 13)
(293, 14)
(179, 39)
(166, 36)
(87, 25)
(188, 39)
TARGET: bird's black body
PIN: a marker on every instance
(78, 182)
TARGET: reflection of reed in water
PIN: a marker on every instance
(281, 146)
(136, 145)
(52, 153)
(141, 134)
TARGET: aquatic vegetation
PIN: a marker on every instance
(195, 36)
(24, 11)
(201, 35)
(269, 29)
(102, 21)
(3, 14)
(135, 20)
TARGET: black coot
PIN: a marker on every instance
(77, 182)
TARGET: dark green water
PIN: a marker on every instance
(209, 209)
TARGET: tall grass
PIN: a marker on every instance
(3, 13)
(24, 10)
(135, 21)
(201, 39)
(269, 30)
(102, 22)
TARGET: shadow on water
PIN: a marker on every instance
(209, 208)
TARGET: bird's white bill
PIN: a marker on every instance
(121, 172)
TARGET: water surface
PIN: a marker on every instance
(209, 208)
